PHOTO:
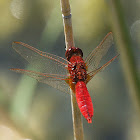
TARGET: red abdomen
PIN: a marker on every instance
(84, 100)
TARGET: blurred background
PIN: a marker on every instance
(34, 111)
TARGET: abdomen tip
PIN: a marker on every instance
(89, 120)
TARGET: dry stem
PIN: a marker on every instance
(69, 41)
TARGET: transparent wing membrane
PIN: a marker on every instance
(94, 72)
(44, 62)
(94, 58)
(54, 80)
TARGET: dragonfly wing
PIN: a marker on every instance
(45, 62)
(94, 72)
(54, 80)
(94, 58)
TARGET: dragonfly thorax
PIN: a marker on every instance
(77, 69)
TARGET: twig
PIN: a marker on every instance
(125, 47)
(66, 14)
(69, 41)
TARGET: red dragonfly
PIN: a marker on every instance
(63, 74)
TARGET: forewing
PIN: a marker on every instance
(44, 62)
(54, 80)
(94, 58)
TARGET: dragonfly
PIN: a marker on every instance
(72, 73)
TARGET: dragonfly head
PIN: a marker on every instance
(72, 51)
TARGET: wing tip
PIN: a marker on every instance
(115, 56)
(14, 44)
(110, 32)
(12, 69)
(15, 69)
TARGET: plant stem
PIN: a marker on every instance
(124, 43)
(67, 22)
(69, 41)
